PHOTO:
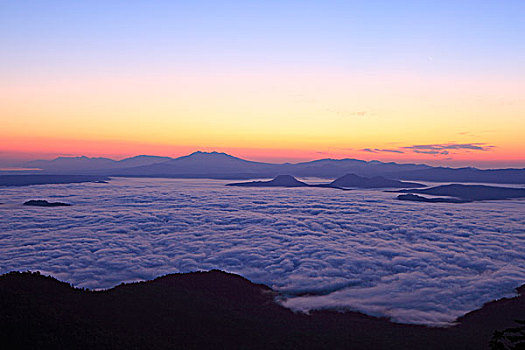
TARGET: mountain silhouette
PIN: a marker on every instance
(353, 180)
(83, 163)
(213, 310)
(66, 164)
(220, 165)
(141, 160)
(346, 181)
(203, 164)
(334, 168)
(279, 181)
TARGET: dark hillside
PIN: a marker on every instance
(210, 310)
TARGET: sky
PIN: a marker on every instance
(439, 82)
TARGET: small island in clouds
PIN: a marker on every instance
(345, 182)
(44, 203)
(278, 181)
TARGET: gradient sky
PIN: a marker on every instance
(440, 82)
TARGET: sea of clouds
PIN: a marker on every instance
(362, 250)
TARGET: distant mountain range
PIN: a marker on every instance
(83, 163)
(43, 179)
(218, 165)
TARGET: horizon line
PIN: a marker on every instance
(198, 151)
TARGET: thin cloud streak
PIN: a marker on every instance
(478, 146)
(434, 149)
(379, 150)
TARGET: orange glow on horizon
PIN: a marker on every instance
(269, 116)
(273, 82)
(42, 148)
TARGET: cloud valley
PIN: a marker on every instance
(362, 250)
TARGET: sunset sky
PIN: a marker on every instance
(439, 82)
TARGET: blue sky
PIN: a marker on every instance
(425, 35)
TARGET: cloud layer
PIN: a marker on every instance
(361, 250)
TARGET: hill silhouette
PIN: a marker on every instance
(353, 180)
(83, 163)
(344, 182)
(203, 165)
(278, 181)
(211, 310)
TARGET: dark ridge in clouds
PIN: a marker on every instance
(342, 183)
(381, 150)
(354, 181)
(416, 198)
(472, 192)
(362, 250)
(278, 181)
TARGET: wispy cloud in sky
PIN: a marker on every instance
(431, 151)
(435, 149)
(381, 150)
(479, 146)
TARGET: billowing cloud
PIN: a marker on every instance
(361, 250)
